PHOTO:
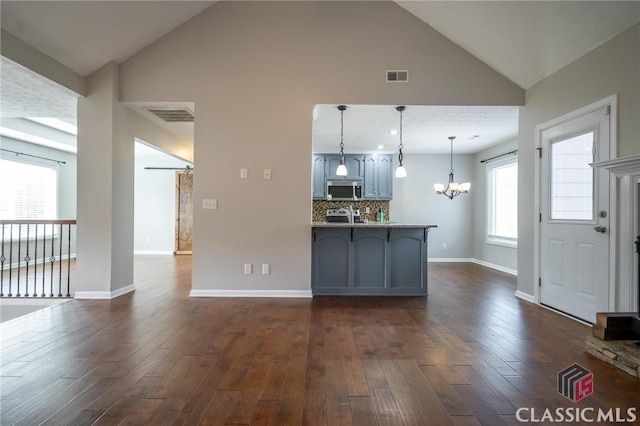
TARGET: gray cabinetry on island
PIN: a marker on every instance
(372, 259)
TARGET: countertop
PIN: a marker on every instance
(370, 225)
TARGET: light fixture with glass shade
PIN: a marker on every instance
(453, 188)
(400, 171)
(342, 169)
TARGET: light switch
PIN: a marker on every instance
(210, 204)
(266, 269)
(248, 270)
(244, 173)
(267, 173)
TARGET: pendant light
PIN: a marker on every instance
(342, 169)
(400, 171)
(453, 188)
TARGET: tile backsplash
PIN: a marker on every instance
(320, 208)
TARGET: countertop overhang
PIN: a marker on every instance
(371, 225)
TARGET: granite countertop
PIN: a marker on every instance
(370, 225)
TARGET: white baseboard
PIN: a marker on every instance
(450, 260)
(525, 296)
(162, 252)
(472, 260)
(104, 294)
(496, 267)
(252, 293)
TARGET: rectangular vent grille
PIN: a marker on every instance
(173, 115)
(397, 76)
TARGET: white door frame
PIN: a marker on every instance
(612, 102)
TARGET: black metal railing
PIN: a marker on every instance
(36, 258)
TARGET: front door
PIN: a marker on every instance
(574, 216)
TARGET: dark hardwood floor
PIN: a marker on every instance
(470, 353)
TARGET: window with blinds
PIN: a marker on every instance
(28, 191)
(502, 202)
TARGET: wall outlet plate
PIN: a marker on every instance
(244, 173)
(266, 269)
(248, 270)
(210, 204)
(267, 173)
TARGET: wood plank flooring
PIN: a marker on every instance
(470, 353)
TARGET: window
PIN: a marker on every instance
(502, 202)
(572, 178)
(27, 190)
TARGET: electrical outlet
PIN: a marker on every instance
(267, 173)
(266, 269)
(244, 173)
(248, 270)
(444, 246)
(367, 210)
(210, 204)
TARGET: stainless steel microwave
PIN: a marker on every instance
(344, 190)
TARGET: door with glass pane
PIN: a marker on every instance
(574, 216)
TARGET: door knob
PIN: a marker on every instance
(601, 229)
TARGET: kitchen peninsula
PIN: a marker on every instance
(375, 258)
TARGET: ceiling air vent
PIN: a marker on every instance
(172, 115)
(397, 76)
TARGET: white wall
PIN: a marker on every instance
(155, 209)
(254, 71)
(415, 201)
(613, 68)
(504, 257)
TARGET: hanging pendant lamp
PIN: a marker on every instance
(400, 171)
(453, 188)
(342, 169)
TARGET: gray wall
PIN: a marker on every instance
(415, 201)
(613, 68)
(505, 257)
(254, 71)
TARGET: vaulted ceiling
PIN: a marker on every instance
(525, 41)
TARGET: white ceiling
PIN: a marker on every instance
(527, 41)
(425, 129)
(524, 41)
(86, 35)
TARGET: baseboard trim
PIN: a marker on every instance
(450, 260)
(104, 295)
(496, 267)
(472, 260)
(525, 296)
(306, 294)
(154, 252)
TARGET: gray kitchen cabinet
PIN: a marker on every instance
(378, 177)
(319, 190)
(407, 258)
(354, 163)
(369, 258)
(331, 259)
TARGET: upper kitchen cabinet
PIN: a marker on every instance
(354, 163)
(378, 177)
(319, 190)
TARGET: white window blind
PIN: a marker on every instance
(502, 202)
(28, 191)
